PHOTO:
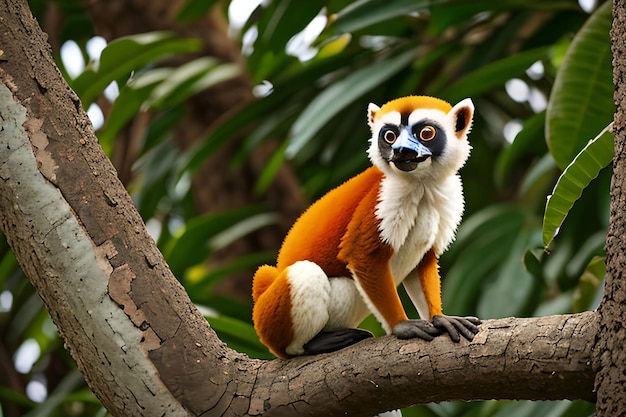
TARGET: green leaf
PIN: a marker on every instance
(575, 178)
(282, 20)
(189, 79)
(492, 75)
(285, 93)
(581, 103)
(339, 95)
(364, 13)
(200, 287)
(194, 9)
(514, 287)
(194, 243)
(128, 104)
(484, 243)
(125, 55)
(589, 285)
(529, 140)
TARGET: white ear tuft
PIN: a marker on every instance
(461, 117)
(371, 113)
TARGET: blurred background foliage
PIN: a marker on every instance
(225, 119)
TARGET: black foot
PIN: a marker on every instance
(410, 329)
(333, 340)
(457, 326)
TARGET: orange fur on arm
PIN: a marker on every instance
(431, 282)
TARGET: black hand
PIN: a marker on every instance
(457, 326)
(421, 329)
(330, 341)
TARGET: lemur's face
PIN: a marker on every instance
(419, 134)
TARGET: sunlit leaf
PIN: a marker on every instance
(125, 55)
(189, 79)
(575, 178)
(581, 103)
(363, 13)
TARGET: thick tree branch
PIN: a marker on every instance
(140, 342)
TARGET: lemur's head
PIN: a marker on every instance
(420, 136)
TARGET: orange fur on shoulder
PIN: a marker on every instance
(317, 234)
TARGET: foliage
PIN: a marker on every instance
(368, 50)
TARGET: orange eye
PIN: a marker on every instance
(427, 133)
(390, 136)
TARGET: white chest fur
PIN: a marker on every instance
(416, 216)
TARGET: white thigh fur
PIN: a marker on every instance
(346, 307)
(310, 296)
(320, 303)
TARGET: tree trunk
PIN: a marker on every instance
(146, 350)
(609, 353)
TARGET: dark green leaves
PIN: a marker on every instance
(581, 103)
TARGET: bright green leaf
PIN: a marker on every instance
(575, 178)
(581, 103)
(188, 79)
(125, 55)
(363, 13)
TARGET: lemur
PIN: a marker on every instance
(345, 256)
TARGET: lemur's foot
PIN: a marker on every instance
(457, 326)
(330, 341)
(422, 329)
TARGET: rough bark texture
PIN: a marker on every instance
(142, 345)
(610, 355)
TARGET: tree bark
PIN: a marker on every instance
(143, 346)
(609, 353)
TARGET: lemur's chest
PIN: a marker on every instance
(415, 218)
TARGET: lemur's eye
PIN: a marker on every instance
(389, 136)
(427, 133)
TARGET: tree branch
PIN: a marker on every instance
(143, 346)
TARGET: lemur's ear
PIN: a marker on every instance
(371, 114)
(461, 117)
